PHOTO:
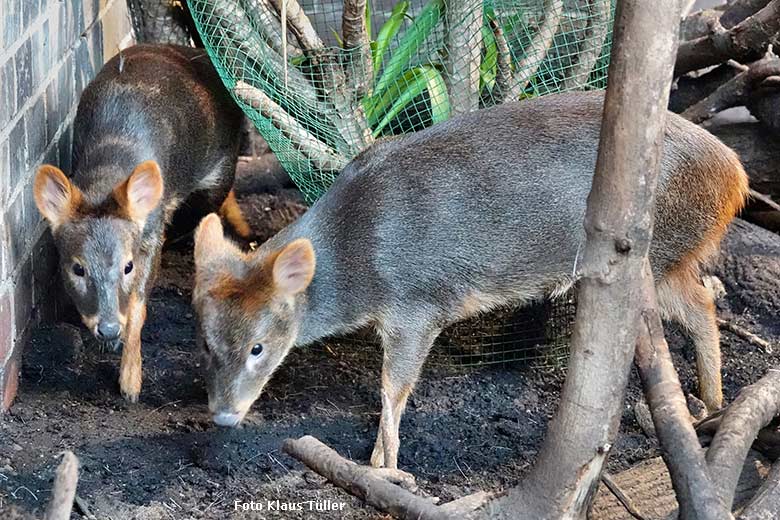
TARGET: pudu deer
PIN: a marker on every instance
(417, 232)
(153, 128)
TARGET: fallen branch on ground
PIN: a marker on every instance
(376, 485)
(755, 406)
(766, 502)
(767, 441)
(704, 22)
(745, 334)
(621, 497)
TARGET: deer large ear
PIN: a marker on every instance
(56, 197)
(294, 268)
(140, 194)
(209, 239)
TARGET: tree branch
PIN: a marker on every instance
(358, 66)
(463, 22)
(321, 156)
(503, 66)
(300, 25)
(704, 22)
(266, 22)
(536, 51)
(743, 42)
(737, 91)
(755, 406)
(373, 485)
(598, 27)
(682, 453)
(765, 504)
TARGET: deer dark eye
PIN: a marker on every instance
(257, 349)
(78, 269)
(128, 267)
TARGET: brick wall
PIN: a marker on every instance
(49, 50)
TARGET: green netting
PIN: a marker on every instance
(323, 93)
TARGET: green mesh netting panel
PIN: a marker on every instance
(320, 90)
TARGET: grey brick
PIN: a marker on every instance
(91, 10)
(65, 89)
(32, 217)
(7, 92)
(75, 12)
(96, 48)
(59, 30)
(35, 125)
(5, 175)
(12, 21)
(23, 303)
(52, 114)
(29, 13)
(52, 155)
(85, 69)
(17, 145)
(41, 54)
(14, 218)
(24, 76)
(64, 149)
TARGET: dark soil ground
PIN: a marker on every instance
(463, 430)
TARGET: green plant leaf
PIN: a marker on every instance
(387, 32)
(413, 83)
(368, 20)
(337, 36)
(489, 63)
(410, 42)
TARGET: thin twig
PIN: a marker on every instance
(82, 506)
(765, 199)
(745, 334)
(621, 496)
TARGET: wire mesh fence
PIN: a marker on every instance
(320, 85)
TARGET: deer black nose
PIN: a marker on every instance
(108, 330)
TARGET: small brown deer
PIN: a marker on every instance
(154, 127)
(424, 230)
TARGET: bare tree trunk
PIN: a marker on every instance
(463, 19)
(618, 224)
